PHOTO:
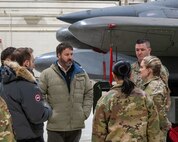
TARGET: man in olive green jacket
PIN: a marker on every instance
(69, 91)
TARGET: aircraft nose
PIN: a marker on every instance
(77, 16)
(44, 61)
(73, 17)
(88, 31)
(63, 34)
(38, 63)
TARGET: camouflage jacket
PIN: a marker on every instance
(6, 133)
(125, 119)
(157, 90)
(135, 74)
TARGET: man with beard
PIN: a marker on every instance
(69, 92)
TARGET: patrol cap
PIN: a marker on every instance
(122, 68)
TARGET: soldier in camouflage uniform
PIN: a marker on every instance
(153, 85)
(125, 113)
(6, 133)
(143, 49)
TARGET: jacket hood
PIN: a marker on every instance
(13, 71)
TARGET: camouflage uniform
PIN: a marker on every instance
(158, 92)
(125, 119)
(136, 78)
(135, 75)
(6, 133)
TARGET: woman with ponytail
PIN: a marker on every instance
(125, 113)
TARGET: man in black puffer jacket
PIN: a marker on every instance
(24, 98)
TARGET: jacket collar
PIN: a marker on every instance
(20, 71)
(150, 80)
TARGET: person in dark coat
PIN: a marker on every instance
(24, 98)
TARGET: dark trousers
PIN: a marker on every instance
(66, 136)
(39, 139)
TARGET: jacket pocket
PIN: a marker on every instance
(79, 83)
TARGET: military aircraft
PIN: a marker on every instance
(120, 26)
(99, 28)
(157, 9)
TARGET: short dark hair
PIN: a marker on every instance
(141, 41)
(62, 46)
(6, 53)
(21, 54)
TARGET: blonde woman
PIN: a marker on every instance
(153, 85)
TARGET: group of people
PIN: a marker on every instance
(20, 91)
(135, 108)
(63, 95)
